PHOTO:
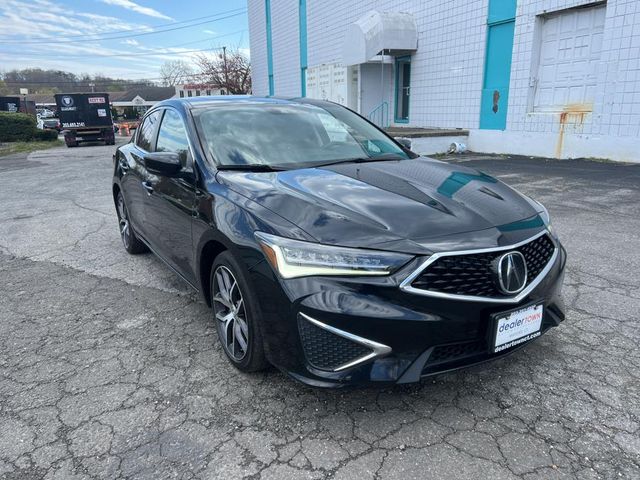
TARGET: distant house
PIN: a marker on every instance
(198, 90)
(140, 98)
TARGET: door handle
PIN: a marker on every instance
(148, 187)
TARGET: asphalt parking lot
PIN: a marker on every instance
(110, 367)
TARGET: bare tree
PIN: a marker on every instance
(175, 72)
(230, 69)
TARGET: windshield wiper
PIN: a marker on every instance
(257, 167)
(379, 158)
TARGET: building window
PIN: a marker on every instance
(208, 92)
(181, 93)
(189, 94)
(565, 69)
(197, 93)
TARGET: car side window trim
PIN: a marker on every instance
(192, 149)
(154, 135)
(190, 157)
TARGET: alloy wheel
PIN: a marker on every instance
(230, 313)
(125, 228)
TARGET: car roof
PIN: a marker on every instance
(218, 100)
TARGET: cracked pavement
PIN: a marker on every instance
(110, 366)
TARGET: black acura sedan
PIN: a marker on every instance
(330, 250)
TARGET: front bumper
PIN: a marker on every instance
(417, 336)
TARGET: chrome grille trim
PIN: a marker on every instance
(406, 283)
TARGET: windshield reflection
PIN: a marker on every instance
(289, 135)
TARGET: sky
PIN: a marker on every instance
(95, 36)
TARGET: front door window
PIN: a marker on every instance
(403, 89)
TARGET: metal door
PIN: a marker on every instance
(570, 48)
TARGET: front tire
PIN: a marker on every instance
(236, 314)
(130, 241)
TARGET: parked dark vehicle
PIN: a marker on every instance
(85, 117)
(51, 124)
(10, 104)
(329, 250)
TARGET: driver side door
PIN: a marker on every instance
(170, 203)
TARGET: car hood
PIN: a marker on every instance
(400, 205)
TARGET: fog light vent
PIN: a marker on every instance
(327, 351)
(332, 349)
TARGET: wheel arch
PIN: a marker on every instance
(115, 189)
(208, 253)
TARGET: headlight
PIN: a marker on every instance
(293, 258)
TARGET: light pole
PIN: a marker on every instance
(24, 92)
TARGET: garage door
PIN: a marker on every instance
(570, 46)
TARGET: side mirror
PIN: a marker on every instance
(163, 163)
(405, 142)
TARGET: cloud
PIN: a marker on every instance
(131, 41)
(19, 22)
(209, 32)
(129, 5)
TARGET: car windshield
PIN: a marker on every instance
(290, 135)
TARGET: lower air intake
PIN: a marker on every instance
(325, 350)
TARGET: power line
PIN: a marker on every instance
(242, 12)
(128, 30)
(119, 55)
(123, 81)
(148, 52)
(109, 36)
(205, 39)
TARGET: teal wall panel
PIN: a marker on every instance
(302, 27)
(501, 10)
(267, 10)
(497, 65)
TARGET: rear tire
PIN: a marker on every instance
(130, 241)
(236, 314)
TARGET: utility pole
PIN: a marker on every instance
(92, 85)
(224, 59)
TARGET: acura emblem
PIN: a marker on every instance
(512, 273)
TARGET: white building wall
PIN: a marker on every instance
(285, 38)
(609, 128)
(447, 71)
(446, 75)
(372, 93)
(258, 46)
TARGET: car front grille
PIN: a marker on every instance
(473, 275)
(327, 351)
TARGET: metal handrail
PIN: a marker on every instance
(380, 115)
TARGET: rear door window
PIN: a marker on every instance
(147, 130)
